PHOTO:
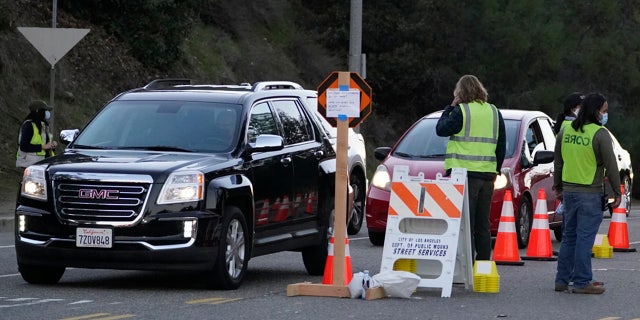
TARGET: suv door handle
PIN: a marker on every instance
(285, 161)
(319, 154)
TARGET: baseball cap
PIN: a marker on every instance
(35, 105)
(572, 100)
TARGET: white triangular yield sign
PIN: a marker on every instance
(53, 43)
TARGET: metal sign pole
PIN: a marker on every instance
(52, 73)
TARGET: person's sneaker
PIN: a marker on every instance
(561, 287)
(589, 289)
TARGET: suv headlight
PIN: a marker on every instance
(182, 187)
(34, 184)
(381, 178)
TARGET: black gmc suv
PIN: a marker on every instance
(178, 176)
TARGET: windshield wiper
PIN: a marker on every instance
(404, 155)
(430, 156)
(81, 146)
(159, 148)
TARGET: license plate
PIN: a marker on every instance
(94, 237)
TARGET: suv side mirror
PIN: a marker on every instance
(67, 136)
(266, 142)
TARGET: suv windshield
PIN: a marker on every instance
(163, 125)
(423, 142)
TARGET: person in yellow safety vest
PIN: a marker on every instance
(477, 142)
(35, 141)
(583, 155)
(572, 104)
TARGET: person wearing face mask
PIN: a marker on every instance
(572, 104)
(35, 141)
(583, 155)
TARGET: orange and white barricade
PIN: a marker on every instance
(426, 223)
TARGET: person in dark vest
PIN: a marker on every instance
(583, 155)
(35, 141)
(477, 142)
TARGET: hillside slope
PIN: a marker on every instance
(236, 43)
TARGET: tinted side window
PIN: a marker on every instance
(261, 122)
(295, 124)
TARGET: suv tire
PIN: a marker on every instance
(41, 275)
(358, 184)
(233, 255)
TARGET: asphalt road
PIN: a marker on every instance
(525, 292)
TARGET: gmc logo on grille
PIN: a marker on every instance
(98, 194)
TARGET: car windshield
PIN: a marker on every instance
(422, 141)
(163, 126)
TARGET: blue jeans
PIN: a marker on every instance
(582, 218)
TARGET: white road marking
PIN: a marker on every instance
(9, 275)
(29, 303)
(81, 301)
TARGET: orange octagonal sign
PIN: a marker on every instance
(347, 83)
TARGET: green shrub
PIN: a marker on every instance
(153, 29)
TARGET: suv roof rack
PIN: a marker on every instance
(271, 85)
(188, 84)
(166, 83)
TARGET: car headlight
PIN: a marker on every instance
(182, 187)
(381, 178)
(503, 180)
(34, 184)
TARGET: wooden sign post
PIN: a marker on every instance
(344, 99)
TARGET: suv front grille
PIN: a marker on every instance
(102, 199)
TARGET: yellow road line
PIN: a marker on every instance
(89, 316)
(101, 316)
(212, 301)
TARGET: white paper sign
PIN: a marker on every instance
(343, 103)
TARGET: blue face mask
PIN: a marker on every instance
(605, 117)
(47, 115)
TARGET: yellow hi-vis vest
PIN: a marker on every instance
(474, 147)
(577, 152)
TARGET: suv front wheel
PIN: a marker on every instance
(232, 259)
(40, 275)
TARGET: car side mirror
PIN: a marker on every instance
(67, 136)
(543, 156)
(380, 153)
(265, 143)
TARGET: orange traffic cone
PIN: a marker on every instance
(309, 208)
(506, 247)
(618, 231)
(276, 205)
(296, 204)
(263, 217)
(539, 247)
(283, 211)
(328, 267)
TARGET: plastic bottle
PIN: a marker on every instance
(366, 283)
(560, 208)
